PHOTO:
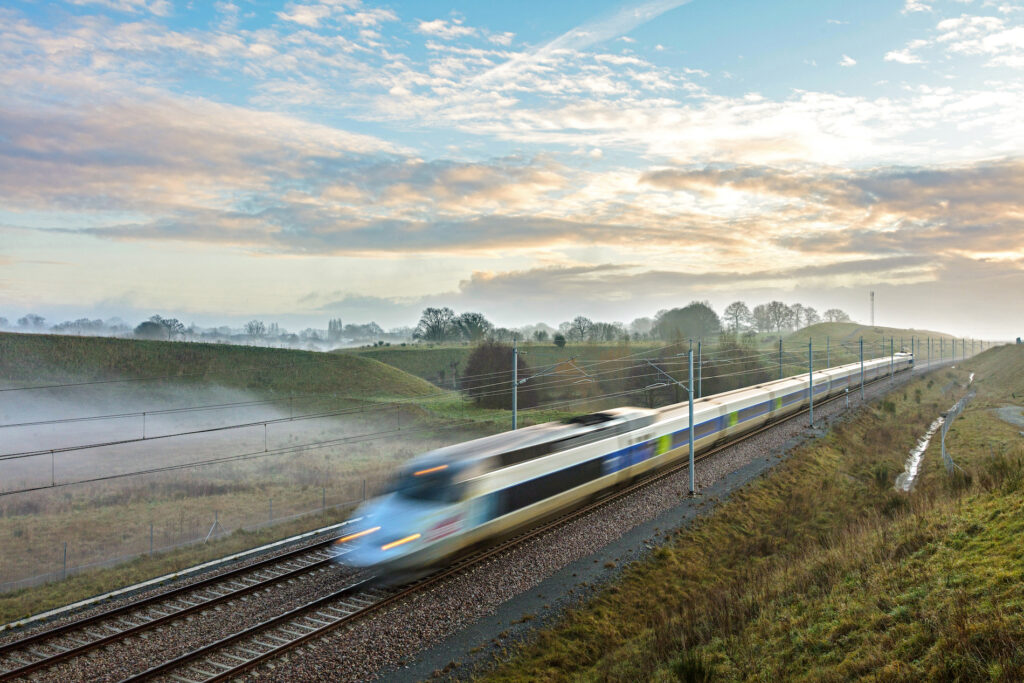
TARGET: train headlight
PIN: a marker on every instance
(401, 541)
(365, 532)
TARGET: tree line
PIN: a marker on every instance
(694, 321)
(443, 325)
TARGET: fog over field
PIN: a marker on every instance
(110, 516)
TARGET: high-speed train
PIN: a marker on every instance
(452, 498)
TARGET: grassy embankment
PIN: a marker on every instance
(729, 362)
(112, 519)
(822, 571)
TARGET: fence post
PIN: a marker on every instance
(323, 499)
(689, 428)
(364, 489)
(271, 509)
(862, 369)
(700, 369)
(64, 573)
(151, 538)
(780, 357)
(810, 377)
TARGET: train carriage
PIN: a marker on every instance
(459, 496)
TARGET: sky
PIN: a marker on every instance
(299, 161)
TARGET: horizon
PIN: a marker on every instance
(313, 160)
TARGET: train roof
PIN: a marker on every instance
(529, 436)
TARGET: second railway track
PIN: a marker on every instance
(47, 648)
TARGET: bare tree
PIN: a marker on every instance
(811, 316)
(580, 327)
(334, 330)
(32, 321)
(762, 321)
(255, 329)
(737, 315)
(642, 327)
(473, 326)
(835, 315)
(797, 311)
(606, 331)
(172, 326)
(778, 315)
(436, 324)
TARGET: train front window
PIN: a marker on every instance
(434, 484)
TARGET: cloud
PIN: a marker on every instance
(306, 15)
(162, 152)
(596, 31)
(161, 8)
(445, 30)
(915, 6)
(903, 57)
(847, 60)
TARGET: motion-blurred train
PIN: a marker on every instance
(456, 497)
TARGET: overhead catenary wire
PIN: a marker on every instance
(500, 388)
(321, 444)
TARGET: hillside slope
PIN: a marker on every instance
(851, 333)
(36, 359)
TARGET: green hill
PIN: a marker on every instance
(35, 359)
(849, 334)
(429, 362)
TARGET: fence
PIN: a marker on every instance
(951, 415)
(166, 538)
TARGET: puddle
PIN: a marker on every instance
(913, 463)
(1012, 414)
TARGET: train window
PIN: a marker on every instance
(535, 490)
(752, 411)
(437, 487)
(523, 454)
(709, 427)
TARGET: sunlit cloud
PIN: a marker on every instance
(444, 29)
(337, 129)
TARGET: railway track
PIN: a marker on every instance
(236, 654)
(240, 652)
(39, 651)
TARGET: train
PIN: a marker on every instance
(448, 500)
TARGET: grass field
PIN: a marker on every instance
(35, 359)
(373, 417)
(822, 571)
